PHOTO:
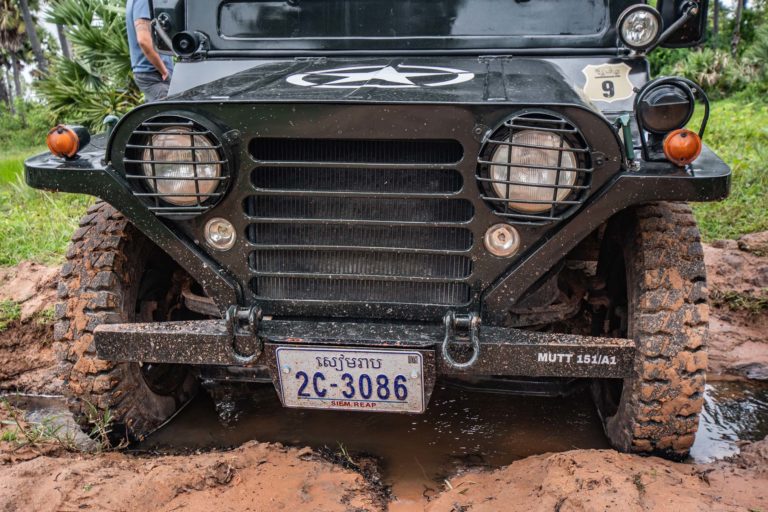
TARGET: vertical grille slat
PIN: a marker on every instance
(324, 232)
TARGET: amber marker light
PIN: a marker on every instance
(63, 141)
(682, 146)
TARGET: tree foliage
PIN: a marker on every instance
(722, 68)
(97, 80)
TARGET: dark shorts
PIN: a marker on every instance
(152, 85)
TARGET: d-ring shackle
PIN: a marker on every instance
(470, 322)
(252, 317)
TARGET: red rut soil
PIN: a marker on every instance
(259, 476)
(265, 477)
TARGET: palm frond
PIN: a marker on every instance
(97, 81)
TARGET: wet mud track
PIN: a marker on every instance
(537, 451)
(462, 429)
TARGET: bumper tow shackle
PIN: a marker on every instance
(244, 322)
(469, 323)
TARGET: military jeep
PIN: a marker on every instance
(352, 199)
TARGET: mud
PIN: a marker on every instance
(252, 477)
(31, 285)
(737, 274)
(27, 361)
(462, 429)
(607, 480)
(170, 472)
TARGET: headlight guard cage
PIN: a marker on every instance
(545, 121)
(130, 159)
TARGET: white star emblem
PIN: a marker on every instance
(382, 77)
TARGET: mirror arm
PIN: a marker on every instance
(690, 10)
(162, 34)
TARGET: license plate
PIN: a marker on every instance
(351, 379)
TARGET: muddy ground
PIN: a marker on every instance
(52, 475)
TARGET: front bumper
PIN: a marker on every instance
(502, 351)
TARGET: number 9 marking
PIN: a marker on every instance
(609, 90)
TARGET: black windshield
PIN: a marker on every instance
(329, 19)
(403, 25)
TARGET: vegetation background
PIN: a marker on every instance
(76, 54)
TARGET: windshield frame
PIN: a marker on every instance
(198, 18)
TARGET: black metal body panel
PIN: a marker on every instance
(458, 122)
(519, 80)
(497, 79)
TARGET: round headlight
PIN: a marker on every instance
(639, 27)
(665, 108)
(534, 185)
(179, 165)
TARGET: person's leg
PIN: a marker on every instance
(152, 85)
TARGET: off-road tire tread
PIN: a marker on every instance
(659, 412)
(100, 264)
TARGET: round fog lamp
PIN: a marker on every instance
(220, 234)
(502, 240)
(639, 27)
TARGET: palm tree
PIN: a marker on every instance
(31, 31)
(11, 43)
(6, 91)
(737, 26)
(63, 43)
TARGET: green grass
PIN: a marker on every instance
(9, 313)
(753, 303)
(11, 162)
(36, 225)
(738, 133)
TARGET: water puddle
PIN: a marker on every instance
(733, 412)
(52, 412)
(461, 429)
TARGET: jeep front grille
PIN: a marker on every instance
(359, 221)
(554, 205)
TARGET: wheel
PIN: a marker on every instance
(114, 274)
(652, 262)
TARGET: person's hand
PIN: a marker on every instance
(164, 74)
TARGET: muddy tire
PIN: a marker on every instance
(652, 256)
(111, 274)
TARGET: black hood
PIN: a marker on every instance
(425, 80)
